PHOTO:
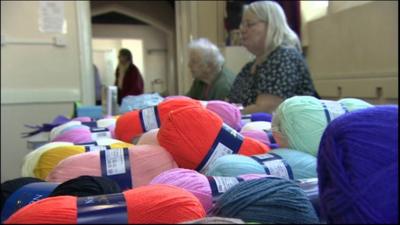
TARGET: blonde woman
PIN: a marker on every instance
(279, 70)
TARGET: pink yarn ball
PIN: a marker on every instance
(229, 113)
(82, 119)
(146, 162)
(149, 138)
(175, 97)
(194, 182)
(258, 135)
(77, 135)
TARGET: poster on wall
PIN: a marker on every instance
(51, 17)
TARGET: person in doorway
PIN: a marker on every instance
(128, 78)
(279, 70)
(212, 80)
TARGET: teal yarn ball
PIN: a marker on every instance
(234, 165)
(303, 165)
(267, 200)
(299, 121)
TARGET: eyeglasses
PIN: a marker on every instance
(246, 24)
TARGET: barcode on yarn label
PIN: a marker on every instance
(277, 168)
(96, 148)
(115, 162)
(219, 151)
(225, 183)
(149, 118)
(98, 133)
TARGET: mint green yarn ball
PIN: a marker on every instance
(301, 120)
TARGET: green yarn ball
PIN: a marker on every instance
(301, 120)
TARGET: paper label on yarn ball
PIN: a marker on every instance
(96, 148)
(333, 109)
(115, 165)
(204, 103)
(246, 118)
(99, 133)
(274, 165)
(309, 185)
(220, 185)
(228, 141)
(102, 209)
(149, 118)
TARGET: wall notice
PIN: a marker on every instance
(51, 17)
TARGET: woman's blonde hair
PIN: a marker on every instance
(278, 31)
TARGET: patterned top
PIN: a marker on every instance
(284, 74)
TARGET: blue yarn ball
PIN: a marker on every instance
(260, 116)
(358, 167)
(266, 200)
(303, 165)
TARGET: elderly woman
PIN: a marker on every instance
(212, 81)
(127, 76)
(279, 70)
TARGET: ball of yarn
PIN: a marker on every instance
(189, 133)
(215, 220)
(300, 120)
(10, 186)
(153, 204)
(129, 125)
(258, 135)
(176, 97)
(56, 131)
(40, 162)
(146, 162)
(149, 138)
(192, 181)
(257, 125)
(108, 123)
(358, 167)
(261, 116)
(31, 159)
(302, 165)
(86, 186)
(266, 200)
(229, 113)
(77, 134)
(49, 159)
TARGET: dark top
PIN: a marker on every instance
(132, 83)
(218, 90)
(284, 74)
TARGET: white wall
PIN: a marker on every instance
(354, 52)
(38, 82)
(155, 62)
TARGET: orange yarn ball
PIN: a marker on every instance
(129, 125)
(189, 133)
(153, 204)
